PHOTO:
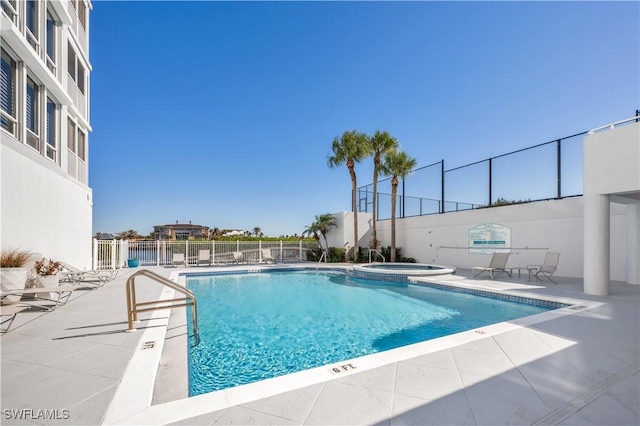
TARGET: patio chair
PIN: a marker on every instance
(10, 311)
(178, 258)
(266, 256)
(238, 257)
(204, 256)
(58, 295)
(496, 267)
(92, 277)
(547, 269)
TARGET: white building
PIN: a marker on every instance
(45, 198)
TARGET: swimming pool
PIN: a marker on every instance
(262, 325)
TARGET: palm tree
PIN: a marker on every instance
(396, 164)
(129, 234)
(351, 148)
(325, 222)
(312, 231)
(257, 231)
(381, 144)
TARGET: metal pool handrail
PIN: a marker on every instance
(324, 254)
(133, 306)
(378, 253)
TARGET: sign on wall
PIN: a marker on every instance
(489, 238)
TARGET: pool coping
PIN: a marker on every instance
(132, 402)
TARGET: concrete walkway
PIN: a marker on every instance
(577, 368)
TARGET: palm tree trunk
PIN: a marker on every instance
(394, 190)
(354, 206)
(374, 233)
(326, 242)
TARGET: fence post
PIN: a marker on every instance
(402, 203)
(259, 251)
(300, 250)
(158, 253)
(113, 254)
(442, 186)
(559, 154)
(490, 165)
(186, 253)
(213, 251)
(94, 255)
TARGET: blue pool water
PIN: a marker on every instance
(263, 325)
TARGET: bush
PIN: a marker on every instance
(334, 255)
(386, 252)
(14, 258)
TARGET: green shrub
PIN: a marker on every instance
(334, 255)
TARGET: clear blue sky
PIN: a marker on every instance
(223, 113)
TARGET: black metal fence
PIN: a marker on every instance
(550, 170)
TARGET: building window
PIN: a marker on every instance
(51, 43)
(9, 8)
(71, 136)
(8, 94)
(52, 130)
(32, 24)
(33, 139)
(76, 70)
(82, 14)
(81, 147)
(81, 78)
(71, 63)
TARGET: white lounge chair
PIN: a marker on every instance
(496, 267)
(238, 257)
(204, 256)
(266, 256)
(58, 295)
(547, 269)
(92, 277)
(177, 259)
(10, 311)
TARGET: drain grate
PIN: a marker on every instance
(148, 345)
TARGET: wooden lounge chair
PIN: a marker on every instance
(496, 267)
(547, 269)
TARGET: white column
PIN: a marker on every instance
(596, 244)
(633, 243)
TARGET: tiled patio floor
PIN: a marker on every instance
(581, 368)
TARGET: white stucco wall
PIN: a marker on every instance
(612, 161)
(536, 228)
(42, 209)
(342, 234)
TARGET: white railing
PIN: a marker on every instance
(377, 253)
(108, 254)
(614, 125)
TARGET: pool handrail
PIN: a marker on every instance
(133, 305)
(378, 253)
(324, 254)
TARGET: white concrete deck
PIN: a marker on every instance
(578, 368)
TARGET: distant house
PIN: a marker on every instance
(180, 231)
(233, 233)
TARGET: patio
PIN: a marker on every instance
(577, 368)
